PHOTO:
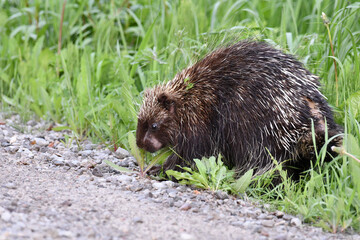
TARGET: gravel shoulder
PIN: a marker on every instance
(49, 190)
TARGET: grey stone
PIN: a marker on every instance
(6, 216)
(221, 195)
(5, 143)
(137, 220)
(13, 149)
(13, 139)
(262, 216)
(160, 185)
(90, 146)
(121, 153)
(172, 194)
(136, 188)
(281, 237)
(10, 185)
(279, 214)
(124, 178)
(73, 163)
(57, 161)
(187, 236)
(148, 193)
(66, 234)
(25, 152)
(97, 172)
(248, 224)
(41, 142)
(237, 223)
(295, 222)
(185, 207)
(74, 149)
(170, 184)
(85, 153)
(31, 123)
(287, 217)
(267, 223)
(99, 156)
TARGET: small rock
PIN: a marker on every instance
(128, 162)
(26, 152)
(169, 183)
(99, 156)
(136, 188)
(90, 146)
(221, 195)
(287, 217)
(88, 163)
(10, 185)
(172, 194)
(73, 163)
(279, 214)
(97, 172)
(264, 233)
(57, 161)
(186, 236)
(169, 202)
(281, 237)
(137, 220)
(31, 123)
(84, 178)
(282, 222)
(13, 139)
(262, 216)
(66, 234)
(267, 223)
(121, 153)
(181, 188)
(237, 223)
(185, 207)
(85, 153)
(5, 144)
(6, 216)
(160, 185)
(124, 178)
(295, 222)
(66, 168)
(41, 142)
(257, 229)
(13, 149)
(2, 209)
(66, 203)
(74, 149)
(147, 193)
(248, 224)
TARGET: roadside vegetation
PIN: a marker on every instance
(85, 64)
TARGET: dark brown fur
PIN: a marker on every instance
(242, 101)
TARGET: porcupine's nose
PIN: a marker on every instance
(151, 143)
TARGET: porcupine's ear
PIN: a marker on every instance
(167, 102)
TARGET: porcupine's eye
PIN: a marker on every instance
(154, 126)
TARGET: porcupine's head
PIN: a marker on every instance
(157, 126)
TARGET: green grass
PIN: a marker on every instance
(112, 50)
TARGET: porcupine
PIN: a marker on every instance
(248, 102)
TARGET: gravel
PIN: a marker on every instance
(52, 189)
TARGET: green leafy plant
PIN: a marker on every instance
(211, 173)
